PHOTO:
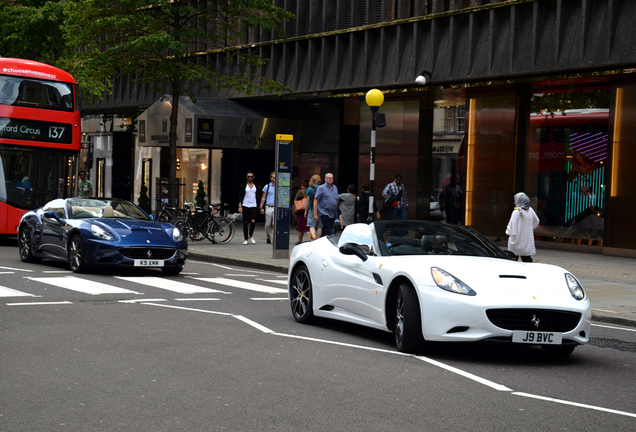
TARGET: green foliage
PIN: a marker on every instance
(161, 42)
(200, 198)
(144, 201)
(31, 29)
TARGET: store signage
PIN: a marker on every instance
(33, 130)
(205, 131)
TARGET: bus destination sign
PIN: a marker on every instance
(33, 130)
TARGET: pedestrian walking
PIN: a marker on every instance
(247, 207)
(267, 205)
(314, 225)
(521, 227)
(347, 206)
(301, 219)
(84, 187)
(326, 204)
(401, 203)
(362, 204)
(451, 199)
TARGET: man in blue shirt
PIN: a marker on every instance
(397, 188)
(326, 204)
(267, 205)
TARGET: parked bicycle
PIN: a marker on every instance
(199, 224)
(169, 214)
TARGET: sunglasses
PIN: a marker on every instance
(250, 176)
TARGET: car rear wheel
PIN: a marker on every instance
(76, 254)
(408, 326)
(300, 295)
(26, 248)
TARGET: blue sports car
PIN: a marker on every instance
(100, 232)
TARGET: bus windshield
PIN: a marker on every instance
(35, 93)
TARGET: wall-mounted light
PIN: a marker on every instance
(424, 78)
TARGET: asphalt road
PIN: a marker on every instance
(220, 351)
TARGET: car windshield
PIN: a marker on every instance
(88, 208)
(433, 238)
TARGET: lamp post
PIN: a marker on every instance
(374, 99)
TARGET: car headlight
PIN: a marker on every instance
(448, 282)
(177, 235)
(101, 233)
(575, 287)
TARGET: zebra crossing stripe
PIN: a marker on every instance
(170, 285)
(8, 292)
(243, 285)
(82, 285)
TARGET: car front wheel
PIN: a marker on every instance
(300, 295)
(26, 247)
(408, 327)
(76, 254)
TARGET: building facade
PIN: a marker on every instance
(526, 95)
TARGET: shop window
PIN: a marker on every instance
(567, 154)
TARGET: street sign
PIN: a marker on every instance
(284, 145)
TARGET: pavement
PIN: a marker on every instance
(610, 282)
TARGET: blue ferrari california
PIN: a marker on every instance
(100, 232)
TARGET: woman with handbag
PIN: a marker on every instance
(301, 202)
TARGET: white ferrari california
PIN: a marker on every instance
(431, 281)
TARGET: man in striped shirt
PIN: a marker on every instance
(397, 189)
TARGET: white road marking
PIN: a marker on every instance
(425, 359)
(39, 303)
(576, 404)
(16, 269)
(222, 266)
(614, 328)
(169, 285)
(7, 272)
(465, 374)
(244, 285)
(140, 300)
(276, 281)
(197, 299)
(240, 275)
(82, 285)
(271, 298)
(8, 292)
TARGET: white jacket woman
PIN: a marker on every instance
(522, 223)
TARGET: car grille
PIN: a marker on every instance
(527, 319)
(147, 253)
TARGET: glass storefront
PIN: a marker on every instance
(566, 160)
(192, 167)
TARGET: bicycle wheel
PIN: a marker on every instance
(185, 226)
(221, 230)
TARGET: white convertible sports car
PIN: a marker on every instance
(430, 281)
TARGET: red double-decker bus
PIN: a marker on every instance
(40, 137)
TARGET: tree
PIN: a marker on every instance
(144, 201)
(165, 42)
(32, 29)
(200, 197)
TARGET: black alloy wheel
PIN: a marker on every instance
(408, 326)
(25, 245)
(300, 295)
(76, 254)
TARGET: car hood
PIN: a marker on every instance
(494, 275)
(135, 230)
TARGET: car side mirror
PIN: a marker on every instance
(353, 249)
(153, 217)
(53, 215)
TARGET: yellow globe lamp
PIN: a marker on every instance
(374, 98)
